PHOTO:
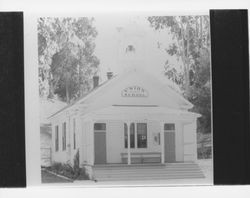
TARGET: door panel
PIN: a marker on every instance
(100, 148)
(169, 144)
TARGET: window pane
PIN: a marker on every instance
(132, 135)
(125, 135)
(141, 135)
(56, 139)
(169, 127)
(99, 126)
(64, 136)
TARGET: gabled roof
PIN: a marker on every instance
(113, 80)
(81, 98)
(49, 107)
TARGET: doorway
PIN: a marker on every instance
(169, 142)
(100, 143)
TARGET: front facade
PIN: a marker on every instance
(132, 118)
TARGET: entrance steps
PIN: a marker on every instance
(123, 172)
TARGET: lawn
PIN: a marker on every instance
(51, 178)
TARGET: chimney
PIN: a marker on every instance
(109, 75)
(95, 81)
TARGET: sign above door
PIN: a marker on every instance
(134, 91)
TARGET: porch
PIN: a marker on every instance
(135, 135)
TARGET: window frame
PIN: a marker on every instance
(138, 139)
(96, 129)
(64, 132)
(56, 138)
(132, 136)
(169, 130)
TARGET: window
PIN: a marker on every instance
(132, 135)
(130, 48)
(64, 136)
(100, 126)
(56, 139)
(169, 127)
(74, 133)
(141, 135)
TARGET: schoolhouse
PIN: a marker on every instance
(131, 118)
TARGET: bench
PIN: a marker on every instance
(142, 157)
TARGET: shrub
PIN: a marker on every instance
(80, 173)
(204, 153)
(76, 166)
(67, 170)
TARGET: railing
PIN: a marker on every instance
(142, 157)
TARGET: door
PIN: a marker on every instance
(169, 144)
(100, 148)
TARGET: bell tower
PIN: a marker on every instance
(131, 45)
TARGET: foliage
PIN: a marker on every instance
(76, 165)
(191, 47)
(68, 171)
(204, 150)
(204, 153)
(66, 56)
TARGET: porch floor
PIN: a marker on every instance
(124, 172)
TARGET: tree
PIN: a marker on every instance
(191, 47)
(66, 56)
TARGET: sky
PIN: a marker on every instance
(110, 44)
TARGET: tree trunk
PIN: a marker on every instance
(201, 32)
(51, 86)
(187, 66)
(67, 89)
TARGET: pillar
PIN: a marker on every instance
(129, 152)
(162, 143)
(92, 146)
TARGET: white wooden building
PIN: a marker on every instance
(132, 118)
(161, 128)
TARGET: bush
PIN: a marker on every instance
(205, 153)
(67, 170)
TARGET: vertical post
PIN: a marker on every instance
(68, 145)
(92, 146)
(135, 134)
(162, 143)
(129, 152)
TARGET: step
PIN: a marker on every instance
(148, 169)
(151, 173)
(155, 174)
(145, 168)
(147, 172)
(143, 165)
(149, 178)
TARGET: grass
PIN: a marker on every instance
(51, 178)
